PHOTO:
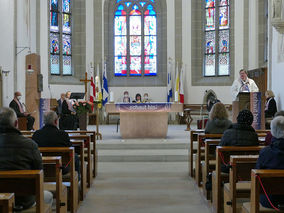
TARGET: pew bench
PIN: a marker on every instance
(52, 168)
(208, 165)
(223, 154)
(7, 202)
(273, 183)
(71, 179)
(23, 183)
(237, 190)
(192, 149)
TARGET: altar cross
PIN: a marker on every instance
(86, 81)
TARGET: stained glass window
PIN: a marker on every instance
(60, 37)
(135, 38)
(217, 38)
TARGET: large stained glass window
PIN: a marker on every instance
(60, 37)
(217, 38)
(135, 38)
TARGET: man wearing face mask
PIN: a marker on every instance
(17, 106)
(146, 98)
(243, 84)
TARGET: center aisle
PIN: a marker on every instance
(161, 185)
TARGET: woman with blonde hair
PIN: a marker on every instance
(218, 119)
(270, 104)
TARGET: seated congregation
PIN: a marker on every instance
(238, 168)
(44, 171)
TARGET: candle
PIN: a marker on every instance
(176, 96)
(111, 98)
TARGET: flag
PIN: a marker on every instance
(99, 96)
(105, 87)
(177, 85)
(169, 86)
(92, 89)
(181, 90)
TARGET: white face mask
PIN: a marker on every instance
(126, 95)
(19, 98)
(145, 97)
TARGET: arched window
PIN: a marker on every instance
(60, 37)
(135, 38)
(217, 38)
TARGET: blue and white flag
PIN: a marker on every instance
(105, 87)
(169, 85)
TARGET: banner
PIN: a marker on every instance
(255, 106)
(143, 107)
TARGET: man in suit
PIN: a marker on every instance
(17, 106)
(51, 136)
(60, 102)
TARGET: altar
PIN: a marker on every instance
(144, 120)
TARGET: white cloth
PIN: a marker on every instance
(243, 86)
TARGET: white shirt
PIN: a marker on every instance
(243, 86)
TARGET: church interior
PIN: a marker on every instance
(138, 122)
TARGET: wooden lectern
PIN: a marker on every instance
(251, 101)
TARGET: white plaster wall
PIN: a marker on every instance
(89, 33)
(277, 70)
(7, 50)
(156, 94)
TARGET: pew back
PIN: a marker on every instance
(7, 202)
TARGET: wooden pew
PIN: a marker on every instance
(87, 144)
(208, 165)
(239, 182)
(52, 168)
(93, 150)
(67, 155)
(223, 153)
(25, 182)
(200, 144)
(79, 149)
(273, 183)
(7, 202)
(192, 150)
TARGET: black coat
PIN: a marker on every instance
(18, 153)
(272, 108)
(13, 104)
(272, 157)
(51, 136)
(217, 126)
(239, 135)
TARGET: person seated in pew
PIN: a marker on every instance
(272, 157)
(218, 120)
(51, 136)
(240, 133)
(17, 106)
(268, 137)
(18, 153)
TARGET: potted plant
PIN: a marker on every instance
(82, 108)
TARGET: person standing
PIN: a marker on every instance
(243, 84)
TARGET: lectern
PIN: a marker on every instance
(251, 101)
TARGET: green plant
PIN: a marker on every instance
(82, 107)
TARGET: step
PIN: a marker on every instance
(143, 155)
(123, 145)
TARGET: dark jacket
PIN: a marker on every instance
(239, 135)
(18, 153)
(59, 107)
(272, 157)
(65, 109)
(51, 136)
(217, 126)
(272, 108)
(13, 104)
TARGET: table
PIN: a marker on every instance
(144, 120)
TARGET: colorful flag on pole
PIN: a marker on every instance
(169, 86)
(92, 88)
(105, 86)
(181, 90)
(177, 85)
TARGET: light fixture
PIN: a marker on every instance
(30, 70)
(5, 72)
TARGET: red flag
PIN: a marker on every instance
(92, 91)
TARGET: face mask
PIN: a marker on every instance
(19, 98)
(126, 96)
(145, 97)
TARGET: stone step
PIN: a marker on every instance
(143, 155)
(141, 145)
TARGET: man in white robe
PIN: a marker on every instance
(243, 84)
